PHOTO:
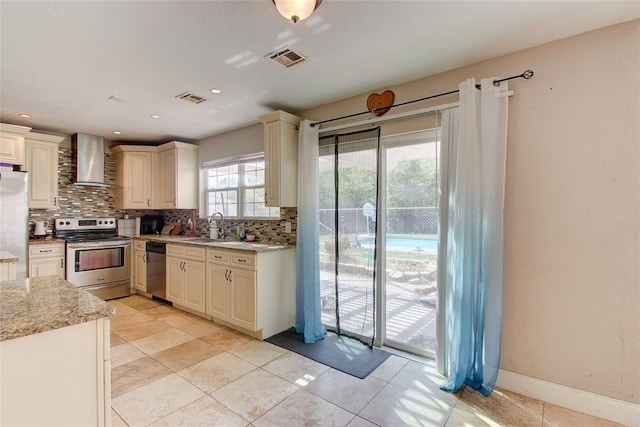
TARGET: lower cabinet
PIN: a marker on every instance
(46, 259)
(253, 291)
(140, 266)
(186, 276)
(231, 290)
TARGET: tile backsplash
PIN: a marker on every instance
(76, 201)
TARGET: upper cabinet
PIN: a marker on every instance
(178, 176)
(12, 143)
(281, 159)
(41, 161)
(156, 177)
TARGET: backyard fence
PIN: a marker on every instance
(411, 220)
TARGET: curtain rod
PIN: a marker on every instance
(526, 75)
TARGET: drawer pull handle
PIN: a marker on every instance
(217, 257)
(61, 262)
(242, 260)
(48, 250)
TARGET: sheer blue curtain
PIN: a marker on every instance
(308, 313)
(474, 234)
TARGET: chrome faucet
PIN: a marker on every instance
(221, 226)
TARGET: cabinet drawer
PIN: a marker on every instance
(243, 260)
(195, 253)
(218, 257)
(175, 250)
(140, 246)
(46, 251)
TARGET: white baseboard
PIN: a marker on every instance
(619, 411)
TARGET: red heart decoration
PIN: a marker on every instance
(378, 102)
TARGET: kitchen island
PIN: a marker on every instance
(54, 354)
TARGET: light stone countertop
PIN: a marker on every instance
(255, 247)
(8, 257)
(45, 241)
(40, 304)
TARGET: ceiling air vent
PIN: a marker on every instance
(287, 57)
(191, 97)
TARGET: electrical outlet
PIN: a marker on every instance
(287, 227)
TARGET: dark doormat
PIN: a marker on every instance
(341, 353)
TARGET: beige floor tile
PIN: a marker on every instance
(135, 374)
(162, 341)
(559, 416)
(124, 353)
(141, 330)
(155, 400)
(160, 311)
(186, 354)
(123, 309)
(116, 339)
(396, 406)
(205, 411)
(258, 352)
(128, 320)
(424, 379)
(502, 407)
(139, 302)
(216, 371)
(226, 339)
(460, 418)
(296, 369)
(344, 390)
(360, 422)
(304, 409)
(254, 394)
(390, 367)
(191, 324)
(116, 421)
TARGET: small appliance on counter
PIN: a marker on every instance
(151, 224)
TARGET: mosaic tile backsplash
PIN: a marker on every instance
(76, 201)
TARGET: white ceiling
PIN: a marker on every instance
(61, 61)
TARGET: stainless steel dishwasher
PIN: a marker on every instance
(157, 269)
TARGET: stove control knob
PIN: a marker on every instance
(68, 223)
(111, 222)
(61, 223)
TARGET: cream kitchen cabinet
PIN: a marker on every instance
(134, 172)
(12, 143)
(186, 276)
(254, 292)
(41, 161)
(46, 259)
(177, 176)
(140, 265)
(281, 159)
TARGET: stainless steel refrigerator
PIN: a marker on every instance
(14, 217)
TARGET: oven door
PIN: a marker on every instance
(90, 264)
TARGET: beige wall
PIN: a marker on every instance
(572, 209)
(572, 212)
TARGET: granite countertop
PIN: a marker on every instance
(255, 247)
(45, 241)
(8, 257)
(40, 304)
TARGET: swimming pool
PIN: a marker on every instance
(406, 243)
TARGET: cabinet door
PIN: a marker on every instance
(272, 164)
(218, 291)
(11, 148)
(175, 280)
(243, 299)
(140, 268)
(167, 179)
(195, 285)
(46, 267)
(138, 180)
(42, 164)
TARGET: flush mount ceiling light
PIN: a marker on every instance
(117, 132)
(216, 91)
(155, 116)
(25, 116)
(296, 10)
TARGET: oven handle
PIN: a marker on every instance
(81, 246)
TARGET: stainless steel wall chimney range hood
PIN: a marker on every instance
(89, 153)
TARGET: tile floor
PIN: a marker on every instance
(173, 369)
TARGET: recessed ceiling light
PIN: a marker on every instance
(155, 116)
(117, 132)
(215, 91)
(25, 116)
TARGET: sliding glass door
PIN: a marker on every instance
(348, 180)
(409, 236)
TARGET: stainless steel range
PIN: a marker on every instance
(98, 260)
